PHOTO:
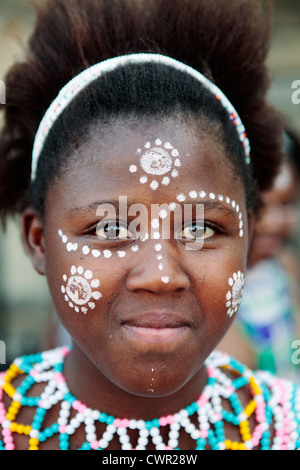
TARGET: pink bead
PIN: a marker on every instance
(125, 423)
(163, 421)
(33, 372)
(58, 377)
(202, 400)
(6, 432)
(75, 404)
(260, 417)
(169, 448)
(255, 442)
(8, 440)
(203, 433)
(65, 351)
(62, 428)
(117, 423)
(170, 419)
(10, 447)
(211, 372)
(95, 445)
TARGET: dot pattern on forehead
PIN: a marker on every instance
(78, 289)
(234, 296)
(193, 194)
(159, 162)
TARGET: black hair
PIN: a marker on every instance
(226, 40)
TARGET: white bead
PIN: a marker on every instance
(108, 436)
(121, 431)
(132, 424)
(111, 428)
(157, 439)
(173, 434)
(103, 443)
(144, 432)
(62, 421)
(89, 420)
(173, 443)
(126, 446)
(143, 441)
(124, 439)
(160, 447)
(90, 428)
(69, 429)
(195, 434)
(154, 432)
(75, 423)
(91, 437)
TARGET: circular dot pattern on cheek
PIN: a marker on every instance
(234, 296)
(79, 289)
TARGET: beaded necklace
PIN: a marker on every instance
(274, 402)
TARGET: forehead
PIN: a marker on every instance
(151, 160)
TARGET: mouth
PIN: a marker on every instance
(156, 328)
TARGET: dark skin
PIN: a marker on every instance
(120, 373)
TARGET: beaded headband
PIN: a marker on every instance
(78, 83)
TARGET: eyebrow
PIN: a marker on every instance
(208, 205)
(91, 208)
(214, 205)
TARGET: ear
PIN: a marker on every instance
(33, 235)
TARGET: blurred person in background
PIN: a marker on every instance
(269, 316)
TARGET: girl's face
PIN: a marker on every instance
(145, 284)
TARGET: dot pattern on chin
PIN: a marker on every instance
(200, 195)
(79, 289)
(159, 162)
(234, 296)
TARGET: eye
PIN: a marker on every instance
(196, 231)
(112, 231)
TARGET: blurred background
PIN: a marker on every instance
(25, 305)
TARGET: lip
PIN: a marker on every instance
(156, 328)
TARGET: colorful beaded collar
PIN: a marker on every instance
(81, 81)
(273, 401)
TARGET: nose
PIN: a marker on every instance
(159, 269)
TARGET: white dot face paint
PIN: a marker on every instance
(157, 159)
(78, 289)
(234, 296)
(193, 194)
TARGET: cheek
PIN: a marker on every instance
(220, 290)
(79, 280)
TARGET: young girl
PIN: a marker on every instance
(138, 187)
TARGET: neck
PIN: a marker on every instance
(98, 392)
